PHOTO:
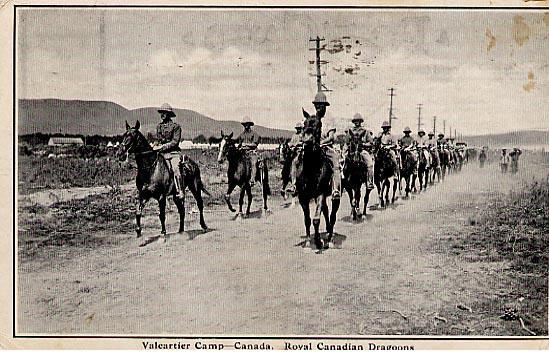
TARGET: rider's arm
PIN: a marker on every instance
(174, 142)
(330, 137)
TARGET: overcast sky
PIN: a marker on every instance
(482, 72)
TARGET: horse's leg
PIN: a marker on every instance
(241, 198)
(333, 217)
(350, 192)
(180, 204)
(197, 194)
(358, 195)
(162, 215)
(366, 200)
(316, 221)
(249, 192)
(264, 189)
(307, 218)
(139, 213)
(394, 193)
(326, 214)
(228, 196)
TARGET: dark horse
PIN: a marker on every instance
(240, 172)
(385, 170)
(408, 168)
(356, 174)
(155, 179)
(285, 156)
(435, 165)
(424, 167)
(314, 182)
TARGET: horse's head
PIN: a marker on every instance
(224, 145)
(132, 141)
(311, 128)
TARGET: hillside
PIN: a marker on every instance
(107, 118)
(511, 139)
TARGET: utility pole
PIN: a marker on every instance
(319, 85)
(434, 125)
(419, 124)
(444, 127)
(391, 117)
(450, 132)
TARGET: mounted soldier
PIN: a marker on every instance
(295, 141)
(168, 135)
(387, 164)
(408, 144)
(248, 141)
(504, 160)
(326, 140)
(365, 139)
(386, 140)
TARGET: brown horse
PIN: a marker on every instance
(314, 182)
(155, 179)
(239, 173)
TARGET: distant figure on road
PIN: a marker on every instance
(504, 160)
(482, 157)
(514, 155)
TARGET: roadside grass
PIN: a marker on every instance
(514, 232)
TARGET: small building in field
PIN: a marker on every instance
(61, 141)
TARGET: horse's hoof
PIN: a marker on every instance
(204, 227)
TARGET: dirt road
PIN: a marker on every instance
(249, 277)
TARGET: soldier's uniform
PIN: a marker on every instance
(295, 141)
(432, 145)
(423, 145)
(327, 141)
(366, 139)
(248, 141)
(168, 135)
(504, 161)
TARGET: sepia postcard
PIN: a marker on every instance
(290, 176)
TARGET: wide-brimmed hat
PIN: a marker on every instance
(385, 124)
(167, 109)
(298, 125)
(357, 118)
(407, 129)
(441, 134)
(247, 121)
(421, 131)
(320, 98)
(431, 133)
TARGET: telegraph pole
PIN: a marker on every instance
(450, 132)
(319, 85)
(419, 124)
(434, 125)
(391, 117)
(444, 127)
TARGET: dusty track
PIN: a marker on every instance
(249, 277)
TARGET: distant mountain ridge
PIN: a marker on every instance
(107, 118)
(511, 139)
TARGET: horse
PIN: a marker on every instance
(409, 166)
(435, 166)
(355, 172)
(314, 182)
(444, 156)
(239, 173)
(385, 170)
(424, 168)
(155, 179)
